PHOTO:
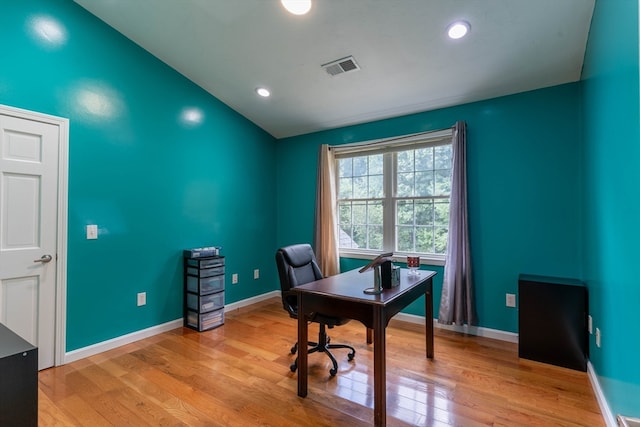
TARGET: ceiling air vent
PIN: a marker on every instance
(340, 66)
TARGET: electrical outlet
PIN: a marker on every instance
(234, 278)
(590, 325)
(256, 274)
(142, 299)
(511, 300)
(92, 232)
(598, 337)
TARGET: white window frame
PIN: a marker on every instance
(385, 146)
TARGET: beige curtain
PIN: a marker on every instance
(326, 229)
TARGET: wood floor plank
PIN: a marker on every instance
(238, 375)
(51, 414)
(177, 407)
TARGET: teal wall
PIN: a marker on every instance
(154, 184)
(612, 199)
(523, 179)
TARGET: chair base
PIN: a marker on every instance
(323, 345)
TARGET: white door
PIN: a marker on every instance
(28, 228)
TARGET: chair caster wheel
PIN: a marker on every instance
(294, 349)
(333, 372)
(293, 367)
(350, 356)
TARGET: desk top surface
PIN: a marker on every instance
(351, 284)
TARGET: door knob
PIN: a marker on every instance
(44, 259)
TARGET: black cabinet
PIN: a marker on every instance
(203, 292)
(552, 320)
(18, 380)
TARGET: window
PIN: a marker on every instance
(395, 196)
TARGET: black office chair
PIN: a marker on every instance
(297, 265)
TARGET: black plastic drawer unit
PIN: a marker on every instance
(203, 292)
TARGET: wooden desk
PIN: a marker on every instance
(342, 296)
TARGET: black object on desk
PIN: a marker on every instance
(552, 320)
(18, 380)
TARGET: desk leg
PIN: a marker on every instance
(379, 369)
(428, 310)
(369, 335)
(302, 349)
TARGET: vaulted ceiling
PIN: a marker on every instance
(406, 62)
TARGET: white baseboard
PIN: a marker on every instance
(471, 330)
(609, 419)
(94, 349)
(100, 347)
(250, 301)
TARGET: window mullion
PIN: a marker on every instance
(389, 229)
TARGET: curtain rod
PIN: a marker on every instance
(391, 139)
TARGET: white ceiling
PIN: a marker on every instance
(408, 65)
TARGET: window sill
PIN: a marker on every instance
(438, 260)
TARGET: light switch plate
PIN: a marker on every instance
(92, 231)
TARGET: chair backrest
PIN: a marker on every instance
(297, 265)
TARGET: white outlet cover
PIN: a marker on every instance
(92, 231)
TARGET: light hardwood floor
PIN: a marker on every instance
(238, 375)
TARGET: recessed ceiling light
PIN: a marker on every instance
(264, 92)
(458, 29)
(297, 7)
